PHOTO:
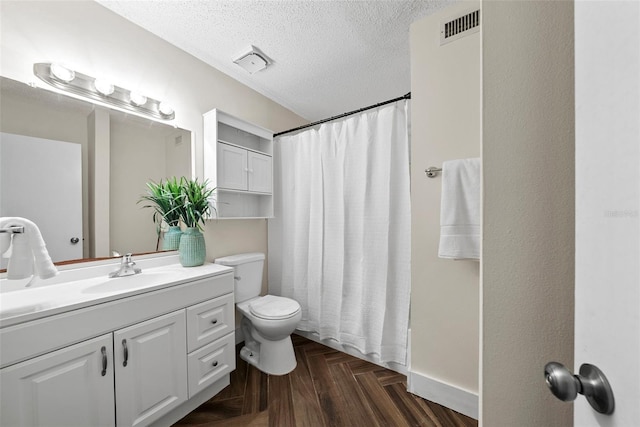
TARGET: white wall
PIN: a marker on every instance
(445, 105)
(528, 209)
(24, 116)
(95, 41)
(99, 171)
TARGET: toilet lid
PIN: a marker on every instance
(273, 307)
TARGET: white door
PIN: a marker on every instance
(69, 387)
(260, 175)
(151, 369)
(232, 167)
(607, 311)
(41, 180)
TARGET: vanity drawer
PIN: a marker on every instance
(210, 363)
(210, 320)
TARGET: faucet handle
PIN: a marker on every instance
(127, 258)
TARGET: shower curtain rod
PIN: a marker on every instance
(407, 96)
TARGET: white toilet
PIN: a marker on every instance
(267, 321)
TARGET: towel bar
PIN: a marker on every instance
(12, 229)
(432, 171)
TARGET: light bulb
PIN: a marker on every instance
(138, 99)
(62, 73)
(104, 86)
(165, 109)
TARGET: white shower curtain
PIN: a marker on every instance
(342, 230)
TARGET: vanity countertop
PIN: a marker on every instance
(87, 286)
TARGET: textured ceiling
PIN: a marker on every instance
(328, 57)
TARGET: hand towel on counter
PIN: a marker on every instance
(460, 210)
(20, 264)
(5, 244)
(28, 251)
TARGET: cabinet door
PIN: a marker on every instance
(259, 167)
(68, 387)
(232, 167)
(151, 369)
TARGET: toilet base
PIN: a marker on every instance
(271, 357)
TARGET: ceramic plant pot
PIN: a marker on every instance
(192, 250)
(171, 239)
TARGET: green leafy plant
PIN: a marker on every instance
(196, 205)
(166, 198)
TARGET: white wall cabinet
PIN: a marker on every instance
(158, 369)
(260, 174)
(238, 162)
(241, 169)
(232, 167)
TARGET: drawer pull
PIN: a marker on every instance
(215, 363)
(126, 353)
(104, 360)
(214, 321)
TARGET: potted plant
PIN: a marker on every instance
(196, 207)
(166, 200)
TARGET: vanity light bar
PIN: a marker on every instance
(91, 88)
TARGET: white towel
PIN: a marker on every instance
(28, 251)
(20, 264)
(5, 244)
(460, 210)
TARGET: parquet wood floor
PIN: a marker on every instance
(327, 389)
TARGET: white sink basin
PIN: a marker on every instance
(126, 283)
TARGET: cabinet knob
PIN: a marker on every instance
(214, 321)
(215, 363)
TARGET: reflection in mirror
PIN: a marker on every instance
(120, 153)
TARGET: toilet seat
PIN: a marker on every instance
(271, 307)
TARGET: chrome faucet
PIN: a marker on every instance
(127, 268)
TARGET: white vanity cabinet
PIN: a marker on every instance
(238, 162)
(151, 369)
(68, 387)
(147, 359)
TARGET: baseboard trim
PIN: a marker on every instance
(444, 394)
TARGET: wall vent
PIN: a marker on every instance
(459, 26)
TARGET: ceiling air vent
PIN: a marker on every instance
(459, 27)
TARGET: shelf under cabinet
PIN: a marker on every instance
(266, 153)
(243, 204)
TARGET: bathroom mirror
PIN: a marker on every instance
(138, 150)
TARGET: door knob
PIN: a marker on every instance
(590, 382)
(74, 240)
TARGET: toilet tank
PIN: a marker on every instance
(247, 274)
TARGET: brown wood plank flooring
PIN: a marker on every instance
(328, 388)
